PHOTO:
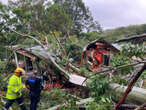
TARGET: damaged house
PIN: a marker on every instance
(98, 53)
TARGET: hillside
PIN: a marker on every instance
(124, 32)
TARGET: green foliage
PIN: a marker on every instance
(123, 32)
(80, 15)
(2, 63)
(99, 86)
(127, 52)
(118, 79)
(28, 42)
(70, 105)
(83, 71)
(73, 48)
(31, 15)
(74, 52)
(55, 97)
(18, 11)
(43, 16)
(8, 19)
(143, 76)
(100, 92)
(119, 60)
(58, 19)
(2, 76)
(104, 104)
(90, 36)
(2, 53)
(134, 50)
(52, 41)
(63, 61)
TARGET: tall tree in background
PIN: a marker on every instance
(80, 15)
(67, 16)
(31, 13)
(41, 16)
(59, 20)
(7, 19)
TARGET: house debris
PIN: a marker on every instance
(37, 58)
(98, 53)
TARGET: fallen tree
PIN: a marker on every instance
(136, 96)
(129, 88)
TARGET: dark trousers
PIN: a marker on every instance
(10, 102)
(34, 102)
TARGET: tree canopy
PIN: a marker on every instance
(68, 17)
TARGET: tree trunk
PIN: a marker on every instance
(136, 96)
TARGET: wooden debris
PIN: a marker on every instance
(130, 86)
(25, 53)
(64, 52)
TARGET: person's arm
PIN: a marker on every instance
(27, 85)
(40, 82)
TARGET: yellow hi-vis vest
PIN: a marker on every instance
(14, 89)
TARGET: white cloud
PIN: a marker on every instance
(115, 13)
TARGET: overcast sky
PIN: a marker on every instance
(116, 13)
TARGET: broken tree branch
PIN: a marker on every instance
(111, 69)
(130, 86)
(64, 52)
(26, 35)
(48, 55)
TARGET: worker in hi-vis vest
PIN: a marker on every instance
(14, 90)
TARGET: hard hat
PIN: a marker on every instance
(18, 70)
